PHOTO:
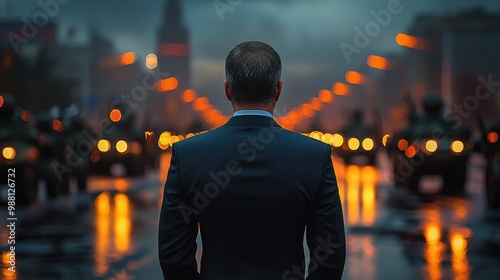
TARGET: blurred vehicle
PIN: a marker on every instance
(492, 177)
(357, 139)
(490, 147)
(77, 145)
(122, 143)
(18, 143)
(52, 166)
(431, 146)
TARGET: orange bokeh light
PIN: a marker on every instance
(315, 103)
(402, 144)
(57, 125)
(294, 117)
(306, 110)
(492, 137)
(406, 40)
(412, 42)
(354, 77)
(200, 104)
(378, 62)
(168, 84)
(189, 95)
(340, 89)
(127, 58)
(1, 101)
(115, 115)
(325, 95)
(411, 151)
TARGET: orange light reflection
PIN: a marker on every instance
(122, 222)
(353, 180)
(369, 180)
(102, 220)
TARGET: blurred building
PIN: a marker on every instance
(174, 58)
(28, 60)
(40, 69)
(449, 54)
(113, 77)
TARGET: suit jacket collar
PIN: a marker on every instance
(251, 120)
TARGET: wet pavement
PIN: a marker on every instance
(110, 231)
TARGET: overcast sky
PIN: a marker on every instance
(306, 33)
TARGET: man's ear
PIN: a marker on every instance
(227, 90)
(278, 92)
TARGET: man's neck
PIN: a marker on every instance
(264, 107)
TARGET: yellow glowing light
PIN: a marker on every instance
(337, 140)
(315, 135)
(151, 61)
(164, 141)
(431, 145)
(353, 144)
(368, 182)
(327, 138)
(368, 144)
(173, 140)
(149, 135)
(353, 180)
(385, 139)
(102, 206)
(104, 145)
(122, 146)
(458, 243)
(432, 234)
(457, 146)
(122, 224)
(9, 153)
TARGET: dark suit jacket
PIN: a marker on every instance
(253, 188)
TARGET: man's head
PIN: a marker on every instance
(253, 72)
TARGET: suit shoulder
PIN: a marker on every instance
(198, 139)
(305, 141)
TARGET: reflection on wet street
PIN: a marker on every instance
(110, 231)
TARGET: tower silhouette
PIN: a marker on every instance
(174, 56)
